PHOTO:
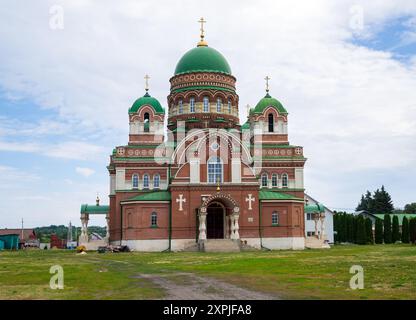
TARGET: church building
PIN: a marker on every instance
(201, 179)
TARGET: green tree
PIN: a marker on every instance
(366, 202)
(410, 208)
(369, 230)
(382, 202)
(354, 228)
(412, 230)
(378, 231)
(405, 230)
(395, 236)
(350, 228)
(387, 229)
(361, 237)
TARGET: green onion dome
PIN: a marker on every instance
(269, 101)
(202, 59)
(147, 100)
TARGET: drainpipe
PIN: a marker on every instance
(121, 224)
(169, 249)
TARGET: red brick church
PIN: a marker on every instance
(205, 178)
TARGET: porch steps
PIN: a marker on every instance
(222, 245)
(315, 243)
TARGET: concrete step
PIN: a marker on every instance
(221, 245)
(315, 243)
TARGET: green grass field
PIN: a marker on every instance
(389, 273)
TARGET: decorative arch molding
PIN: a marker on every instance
(220, 197)
(179, 154)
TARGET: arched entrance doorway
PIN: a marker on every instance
(218, 218)
(216, 221)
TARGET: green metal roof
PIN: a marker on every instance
(147, 100)
(269, 101)
(94, 209)
(246, 125)
(273, 195)
(202, 59)
(399, 215)
(314, 208)
(151, 196)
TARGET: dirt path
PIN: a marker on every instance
(187, 286)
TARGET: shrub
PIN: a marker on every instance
(387, 229)
(405, 230)
(378, 231)
(396, 231)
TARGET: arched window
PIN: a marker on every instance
(135, 181)
(271, 123)
(284, 180)
(206, 104)
(275, 218)
(154, 219)
(156, 181)
(192, 104)
(229, 106)
(214, 170)
(264, 180)
(180, 106)
(219, 105)
(146, 122)
(274, 180)
(146, 181)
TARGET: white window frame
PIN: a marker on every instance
(156, 181)
(132, 181)
(229, 106)
(275, 218)
(205, 104)
(153, 219)
(219, 105)
(275, 178)
(285, 180)
(264, 175)
(146, 177)
(218, 170)
(180, 106)
(192, 105)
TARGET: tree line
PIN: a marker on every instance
(380, 201)
(359, 230)
(44, 233)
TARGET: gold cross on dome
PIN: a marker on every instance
(146, 82)
(267, 83)
(202, 42)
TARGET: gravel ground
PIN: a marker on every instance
(188, 286)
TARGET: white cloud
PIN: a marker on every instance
(75, 150)
(86, 172)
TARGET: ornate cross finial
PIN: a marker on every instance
(146, 82)
(97, 200)
(202, 42)
(267, 83)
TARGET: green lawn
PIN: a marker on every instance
(389, 272)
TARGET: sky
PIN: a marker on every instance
(69, 71)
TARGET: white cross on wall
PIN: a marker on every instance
(250, 199)
(181, 199)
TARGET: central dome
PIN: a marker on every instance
(202, 59)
